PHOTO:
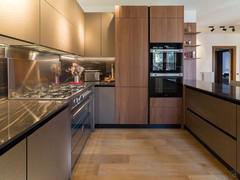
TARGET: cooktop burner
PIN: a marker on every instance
(51, 92)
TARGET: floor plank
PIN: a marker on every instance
(146, 154)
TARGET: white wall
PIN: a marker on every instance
(204, 51)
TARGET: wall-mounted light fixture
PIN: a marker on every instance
(233, 28)
(212, 28)
(223, 28)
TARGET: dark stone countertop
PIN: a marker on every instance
(105, 84)
(223, 91)
(19, 118)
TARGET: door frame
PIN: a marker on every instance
(233, 65)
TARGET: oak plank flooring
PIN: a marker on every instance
(146, 154)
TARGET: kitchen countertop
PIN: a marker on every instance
(223, 91)
(20, 118)
(105, 84)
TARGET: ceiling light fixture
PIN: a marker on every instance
(223, 28)
(212, 28)
(233, 28)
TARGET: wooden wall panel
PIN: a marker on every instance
(167, 11)
(131, 12)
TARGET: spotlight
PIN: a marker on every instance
(233, 28)
(223, 28)
(211, 28)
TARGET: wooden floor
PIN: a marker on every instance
(143, 154)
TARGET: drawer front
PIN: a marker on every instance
(217, 111)
(166, 102)
(216, 140)
(165, 115)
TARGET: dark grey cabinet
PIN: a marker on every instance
(49, 150)
(13, 163)
(104, 105)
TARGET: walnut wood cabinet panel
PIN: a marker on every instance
(20, 19)
(131, 12)
(217, 111)
(169, 30)
(55, 30)
(132, 52)
(131, 105)
(238, 138)
(166, 110)
(167, 11)
(13, 163)
(223, 145)
(49, 150)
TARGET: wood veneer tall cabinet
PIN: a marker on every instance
(131, 64)
(20, 19)
(238, 138)
(166, 24)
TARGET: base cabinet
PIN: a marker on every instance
(13, 163)
(166, 110)
(104, 105)
(49, 150)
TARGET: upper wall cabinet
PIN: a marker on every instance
(167, 24)
(20, 19)
(131, 12)
(55, 29)
(99, 35)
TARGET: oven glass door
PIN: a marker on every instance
(166, 86)
(165, 62)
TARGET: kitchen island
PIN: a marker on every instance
(212, 115)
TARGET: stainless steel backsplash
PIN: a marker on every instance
(3, 77)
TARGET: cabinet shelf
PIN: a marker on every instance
(191, 59)
(193, 45)
(191, 33)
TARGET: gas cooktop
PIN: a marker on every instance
(51, 92)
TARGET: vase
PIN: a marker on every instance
(76, 79)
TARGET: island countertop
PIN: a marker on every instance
(223, 91)
(20, 118)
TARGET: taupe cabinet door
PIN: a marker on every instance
(13, 163)
(20, 19)
(49, 150)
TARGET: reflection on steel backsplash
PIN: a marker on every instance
(3, 77)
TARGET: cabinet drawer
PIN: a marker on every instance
(223, 145)
(219, 112)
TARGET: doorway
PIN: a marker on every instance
(224, 64)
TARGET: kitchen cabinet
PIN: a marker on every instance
(166, 24)
(99, 35)
(92, 35)
(104, 105)
(132, 52)
(205, 106)
(131, 105)
(13, 163)
(166, 111)
(223, 145)
(55, 30)
(49, 150)
(20, 19)
(238, 139)
(131, 64)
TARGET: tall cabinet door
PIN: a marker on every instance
(132, 52)
(131, 105)
(132, 65)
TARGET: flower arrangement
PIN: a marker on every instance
(76, 70)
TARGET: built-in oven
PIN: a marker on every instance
(166, 58)
(82, 122)
(166, 85)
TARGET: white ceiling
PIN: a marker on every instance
(209, 12)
